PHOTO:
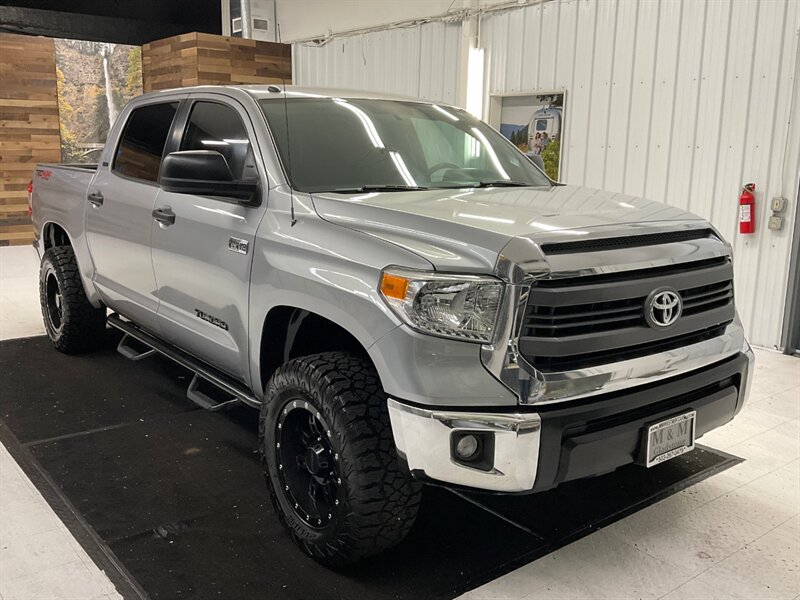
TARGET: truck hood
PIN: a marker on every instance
(466, 229)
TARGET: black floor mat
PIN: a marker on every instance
(177, 493)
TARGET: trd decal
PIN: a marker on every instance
(211, 319)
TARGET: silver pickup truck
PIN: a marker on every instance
(405, 296)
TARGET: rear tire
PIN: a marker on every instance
(71, 322)
(330, 460)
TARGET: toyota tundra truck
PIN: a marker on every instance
(404, 296)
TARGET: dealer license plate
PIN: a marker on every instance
(670, 438)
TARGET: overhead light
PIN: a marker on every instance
(475, 82)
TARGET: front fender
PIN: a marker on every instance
(322, 268)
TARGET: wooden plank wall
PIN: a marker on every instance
(206, 59)
(29, 131)
(29, 128)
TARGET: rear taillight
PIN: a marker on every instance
(30, 197)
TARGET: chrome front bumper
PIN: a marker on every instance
(423, 438)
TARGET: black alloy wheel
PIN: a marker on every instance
(308, 469)
(54, 303)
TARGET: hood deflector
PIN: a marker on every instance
(633, 241)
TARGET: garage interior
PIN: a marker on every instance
(114, 485)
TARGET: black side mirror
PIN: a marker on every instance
(205, 173)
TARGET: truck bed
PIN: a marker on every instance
(59, 195)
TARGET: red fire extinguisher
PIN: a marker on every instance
(747, 209)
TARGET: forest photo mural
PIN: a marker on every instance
(95, 81)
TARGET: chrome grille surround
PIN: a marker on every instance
(526, 270)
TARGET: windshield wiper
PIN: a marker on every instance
(501, 183)
(380, 188)
(485, 184)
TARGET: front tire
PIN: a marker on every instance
(330, 460)
(71, 322)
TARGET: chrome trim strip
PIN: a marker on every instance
(744, 390)
(610, 261)
(423, 437)
(571, 385)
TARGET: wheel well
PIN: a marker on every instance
(290, 332)
(54, 235)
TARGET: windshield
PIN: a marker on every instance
(347, 145)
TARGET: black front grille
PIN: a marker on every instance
(594, 320)
(707, 297)
(581, 319)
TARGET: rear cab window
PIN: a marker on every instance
(142, 143)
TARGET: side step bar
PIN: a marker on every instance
(234, 391)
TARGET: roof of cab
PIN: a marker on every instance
(264, 91)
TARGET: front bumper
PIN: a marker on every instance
(536, 448)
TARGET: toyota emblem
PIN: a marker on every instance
(663, 307)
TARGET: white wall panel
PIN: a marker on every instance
(681, 101)
(419, 61)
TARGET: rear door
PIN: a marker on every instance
(202, 260)
(119, 213)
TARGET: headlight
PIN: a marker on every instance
(455, 306)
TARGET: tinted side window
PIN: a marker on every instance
(142, 143)
(218, 127)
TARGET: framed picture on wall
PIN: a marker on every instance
(95, 81)
(534, 122)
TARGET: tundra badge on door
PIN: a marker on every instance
(211, 319)
(238, 245)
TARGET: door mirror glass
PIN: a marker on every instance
(204, 173)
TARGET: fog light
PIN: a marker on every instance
(466, 447)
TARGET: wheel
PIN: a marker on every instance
(330, 460)
(71, 322)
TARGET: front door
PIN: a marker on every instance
(202, 259)
(119, 214)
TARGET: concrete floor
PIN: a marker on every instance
(735, 535)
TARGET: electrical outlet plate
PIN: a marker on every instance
(778, 204)
(775, 223)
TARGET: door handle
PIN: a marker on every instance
(164, 216)
(96, 198)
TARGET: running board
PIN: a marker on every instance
(234, 391)
(128, 351)
(196, 394)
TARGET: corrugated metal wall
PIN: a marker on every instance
(680, 101)
(417, 61)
